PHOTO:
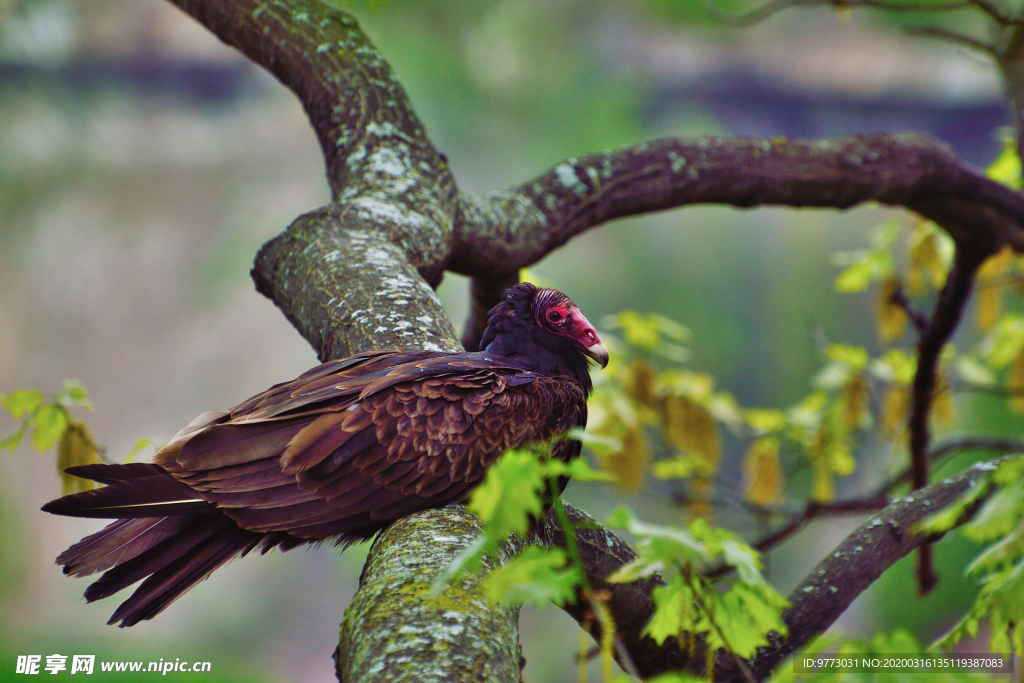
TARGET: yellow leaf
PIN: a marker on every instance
(628, 465)
(765, 419)
(942, 400)
(700, 490)
(854, 401)
(988, 307)
(824, 487)
(639, 383)
(691, 428)
(997, 264)
(928, 258)
(1016, 382)
(840, 460)
(892, 319)
(895, 411)
(762, 472)
(831, 451)
(75, 448)
(679, 467)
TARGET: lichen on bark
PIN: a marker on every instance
(422, 634)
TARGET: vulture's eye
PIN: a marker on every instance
(554, 316)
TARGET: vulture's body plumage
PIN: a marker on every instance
(336, 454)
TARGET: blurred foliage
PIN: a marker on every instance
(51, 422)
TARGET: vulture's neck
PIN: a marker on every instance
(534, 349)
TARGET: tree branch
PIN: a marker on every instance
(948, 310)
(918, 319)
(501, 232)
(464, 639)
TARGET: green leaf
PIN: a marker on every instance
(21, 402)
(634, 570)
(509, 494)
(745, 559)
(665, 544)
(1006, 341)
(973, 372)
(1006, 168)
(74, 393)
(598, 443)
(896, 366)
(50, 420)
(955, 512)
(765, 420)
(672, 329)
(679, 467)
(743, 618)
(674, 612)
(140, 445)
(854, 357)
(14, 439)
(639, 330)
(536, 576)
(999, 555)
(856, 278)
(999, 515)
(468, 561)
(669, 678)
(580, 470)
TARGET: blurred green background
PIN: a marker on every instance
(142, 163)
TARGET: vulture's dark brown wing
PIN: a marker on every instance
(345, 450)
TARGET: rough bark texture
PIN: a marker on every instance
(463, 638)
(358, 274)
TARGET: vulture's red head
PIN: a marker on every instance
(545, 331)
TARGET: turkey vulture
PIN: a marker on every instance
(336, 454)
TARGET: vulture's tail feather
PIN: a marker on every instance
(130, 491)
(164, 534)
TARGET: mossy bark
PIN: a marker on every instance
(421, 634)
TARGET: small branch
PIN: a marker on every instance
(769, 9)
(917, 317)
(948, 311)
(484, 294)
(798, 521)
(950, 447)
(951, 36)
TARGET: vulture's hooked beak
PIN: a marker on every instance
(599, 353)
